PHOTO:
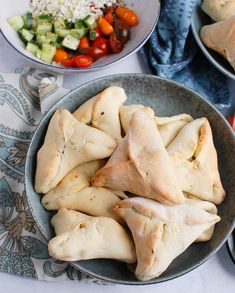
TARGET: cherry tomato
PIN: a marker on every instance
(94, 53)
(82, 61)
(114, 43)
(123, 31)
(98, 32)
(84, 43)
(60, 55)
(110, 17)
(127, 15)
(101, 44)
(70, 62)
(104, 26)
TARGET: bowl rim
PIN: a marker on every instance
(93, 68)
(52, 110)
(206, 52)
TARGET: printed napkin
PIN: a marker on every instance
(24, 96)
(172, 53)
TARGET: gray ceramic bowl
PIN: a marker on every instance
(199, 19)
(166, 98)
(148, 16)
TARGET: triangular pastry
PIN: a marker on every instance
(68, 143)
(127, 111)
(74, 192)
(161, 232)
(208, 207)
(219, 9)
(194, 158)
(141, 164)
(102, 111)
(82, 237)
(220, 37)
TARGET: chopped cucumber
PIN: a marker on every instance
(90, 22)
(53, 37)
(70, 42)
(79, 32)
(28, 21)
(48, 49)
(16, 22)
(42, 39)
(59, 24)
(62, 32)
(47, 58)
(44, 27)
(79, 24)
(92, 35)
(32, 48)
(45, 17)
(25, 35)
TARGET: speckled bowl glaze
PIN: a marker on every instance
(166, 98)
(148, 16)
(199, 19)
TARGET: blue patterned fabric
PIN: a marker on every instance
(172, 53)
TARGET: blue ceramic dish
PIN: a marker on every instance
(166, 98)
(199, 19)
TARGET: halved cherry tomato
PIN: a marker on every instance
(60, 55)
(104, 26)
(101, 44)
(94, 53)
(127, 15)
(82, 61)
(110, 17)
(70, 62)
(98, 32)
(114, 44)
(84, 43)
(123, 31)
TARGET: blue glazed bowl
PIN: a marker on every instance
(166, 98)
(199, 19)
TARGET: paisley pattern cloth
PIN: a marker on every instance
(23, 250)
(172, 53)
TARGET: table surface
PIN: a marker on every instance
(216, 275)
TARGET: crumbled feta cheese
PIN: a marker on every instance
(71, 10)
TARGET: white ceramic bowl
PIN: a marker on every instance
(148, 12)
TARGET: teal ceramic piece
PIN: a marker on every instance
(199, 19)
(166, 98)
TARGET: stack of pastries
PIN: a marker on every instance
(128, 185)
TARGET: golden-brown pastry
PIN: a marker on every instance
(194, 158)
(102, 111)
(161, 232)
(219, 9)
(208, 207)
(220, 37)
(68, 143)
(141, 164)
(126, 113)
(81, 237)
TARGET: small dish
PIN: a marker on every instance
(148, 17)
(166, 98)
(199, 19)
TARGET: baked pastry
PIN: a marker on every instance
(141, 164)
(220, 37)
(68, 143)
(74, 192)
(81, 237)
(102, 111)
(208, 207)
(194, 158)
(219, 9)
(126, 113)
(161, 232)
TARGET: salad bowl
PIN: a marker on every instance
(166, 98)
(148, 17)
